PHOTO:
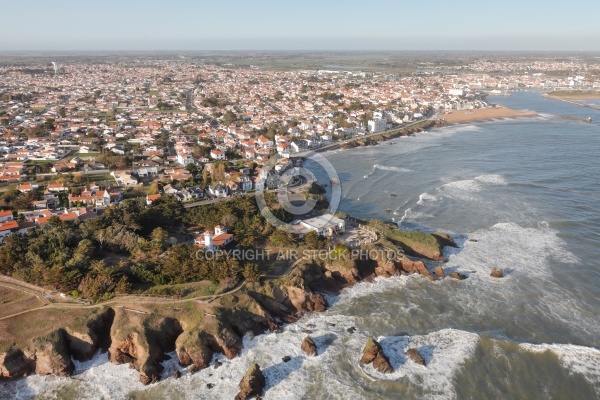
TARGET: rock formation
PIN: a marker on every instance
(458, 275)
(444, 239)
(14, 364)
(309, 347)
(415, 267)
(373, 353)
(439, 272)
(497, 273)
(51, 355)
(142, 341)
(414, 355)
(252, 384)
(142, 335)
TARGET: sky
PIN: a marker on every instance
(300, 25)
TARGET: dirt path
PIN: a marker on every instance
(126, 300)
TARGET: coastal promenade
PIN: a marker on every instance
(337, 145)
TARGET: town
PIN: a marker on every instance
(80, 136)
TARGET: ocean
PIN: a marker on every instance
(519, 194)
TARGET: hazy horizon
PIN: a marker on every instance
(153, 25)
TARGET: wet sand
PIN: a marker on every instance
(484, 114)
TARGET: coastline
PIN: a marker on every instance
(483, 114)
(197, 330)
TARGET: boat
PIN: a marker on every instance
(388, 211)
(589, 119)
(394, 195)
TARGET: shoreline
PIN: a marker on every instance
(485, 114)
(196, 331)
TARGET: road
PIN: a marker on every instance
(340, 143)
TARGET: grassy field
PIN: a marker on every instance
(186, 290)
(38, 323)
(13, 301)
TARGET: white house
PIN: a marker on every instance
(377, 125)
(212, 243)
(124, 178)
(324, 225)
(217, 154)
(218, 190)
(8, 228)
(6, 216)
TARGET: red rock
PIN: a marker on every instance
(414, 355)
(439, 272)
(458, 275)
(252, 384)
(309, 347)
(497, 273)
(373, 353)
(415, 267)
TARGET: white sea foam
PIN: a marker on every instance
(576, 359)
(391, 168)
(491, 179)
(513, 247)
(475, 184)
(93, 379)
(424, 197)
(444, 352)
(470, 185)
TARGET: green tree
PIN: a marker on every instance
(251, 272)
(192, 168)
(159, 238)
(313, 240)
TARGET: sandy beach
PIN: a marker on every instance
(485, 113)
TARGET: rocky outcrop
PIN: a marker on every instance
(457, 275)
(197, 346)
(373, 353)
(444, 239)
(141, 337)
(14, 364)
(304, 301)
(388, 268)
(416, 244)
(343, 273)
(414, 355)
(142, 341)
(439, 272)
(51, 355)
(415, 267)
(309, 347)
(252, 384)
(497, 273)
(84, 341)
